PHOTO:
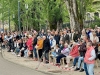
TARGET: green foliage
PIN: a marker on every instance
(45, 13)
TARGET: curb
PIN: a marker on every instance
(2, 54)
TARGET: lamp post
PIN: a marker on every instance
(19, 16)
(9, 18)
(26, 7)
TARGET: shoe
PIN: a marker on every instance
(13, 53)
(18, 55)
(66, 66)
(47, 62)
(57, 64)
(72, 67)
(35, 59)
(81, 70)
(76, 69)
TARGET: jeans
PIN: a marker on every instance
(80, 62)
(26, 53)
(75, 61)
(17, 50)
(35, 52)
(59, 57)
(85, 68)
(90, 69)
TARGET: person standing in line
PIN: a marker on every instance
(90, 58)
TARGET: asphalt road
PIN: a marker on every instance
(9, 68)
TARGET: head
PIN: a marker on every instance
(49, 32)
(56, 32)
(76, 32)
(89, 44)
(44, 37)
(65, 32)
(81, 41)
(42, 31)
(72, 31)
(61, 42)
(51, 37)
(85, 38)
(29, 36)
(94, 45)
(65, 45)
(38, 37)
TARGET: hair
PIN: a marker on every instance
(90, 43)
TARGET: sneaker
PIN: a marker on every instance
(18, 55)
(13, 53)
(76, 69)
(57, 64)
(11, 50)
(82, 70)
(66, 66)
(72, 67)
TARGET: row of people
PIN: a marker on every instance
(29, 43)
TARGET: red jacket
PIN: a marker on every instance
(74, 52)
(30, 44)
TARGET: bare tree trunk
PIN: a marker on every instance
(75, 23)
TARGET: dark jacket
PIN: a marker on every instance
(34, 41)
(60, 49)
(46, 45)
(25, 46)
(20, 45)
(82, 49)
(66, 38)
(57, 38)
(75, 37)
(96, 51)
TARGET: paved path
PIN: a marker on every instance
(48, 69)
(8, 68)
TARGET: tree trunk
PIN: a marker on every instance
(76, 23)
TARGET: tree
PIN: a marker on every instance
(77, 10)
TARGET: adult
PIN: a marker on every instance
(98, 34)
(66, 37)
(57, 37)
(52, 42)
(73, 53)
(64, 53)
(34, 44)
(86, 40)
(76, 36)
(39, 46)
(29, 45)
(90, 58)
(46, 49)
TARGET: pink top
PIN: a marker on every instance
(88, 56)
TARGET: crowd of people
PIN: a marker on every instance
(81, 47)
